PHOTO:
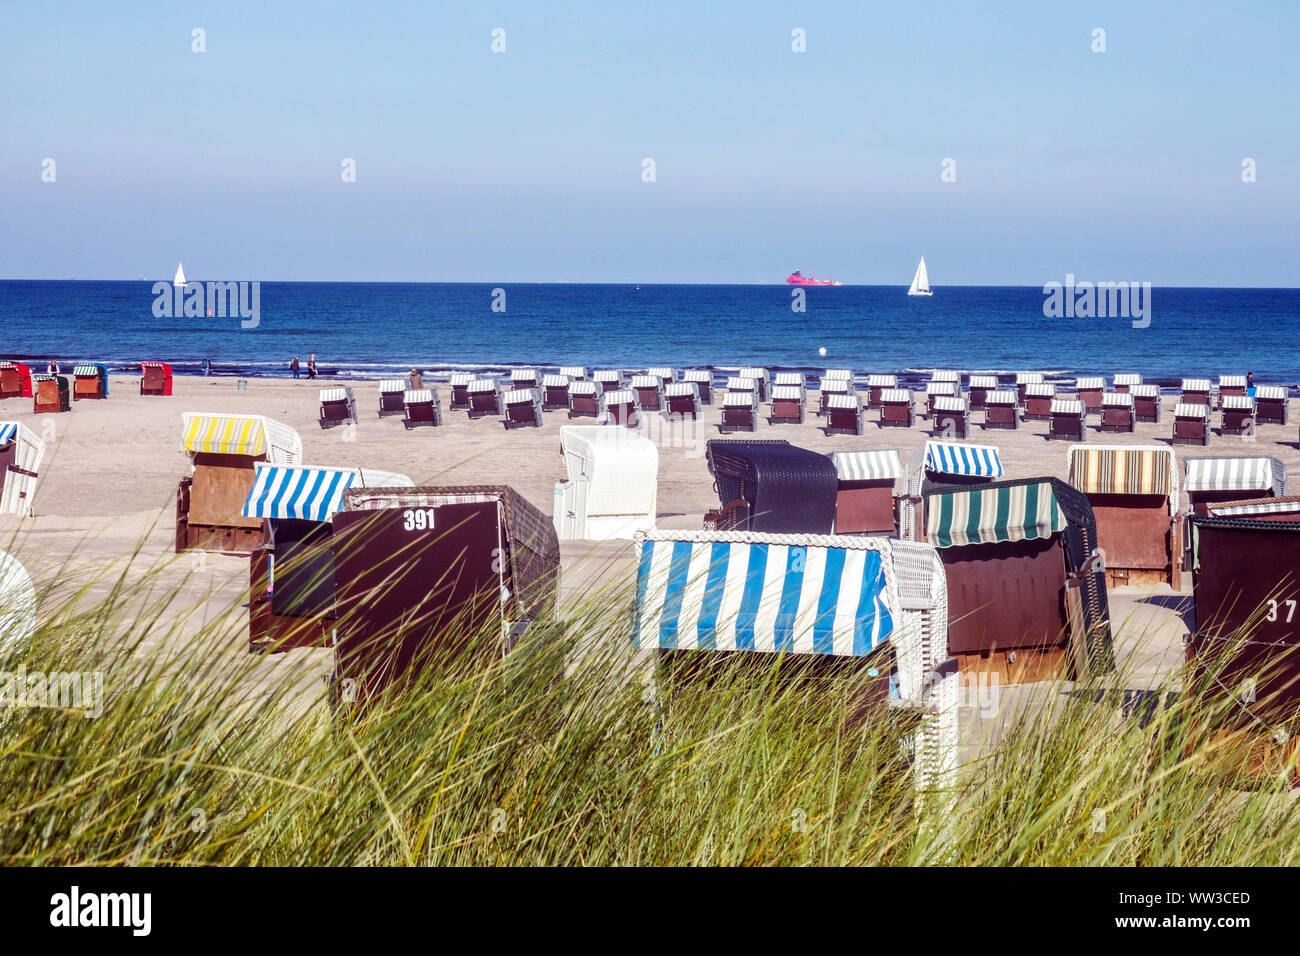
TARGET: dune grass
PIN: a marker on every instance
(564, 753)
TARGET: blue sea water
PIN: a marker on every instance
(369, 330)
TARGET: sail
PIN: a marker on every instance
(920, 281)
(180, 275)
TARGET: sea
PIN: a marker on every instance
(373, 330)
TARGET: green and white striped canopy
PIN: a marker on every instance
(990, 515)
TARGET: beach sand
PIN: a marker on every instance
(108, 485)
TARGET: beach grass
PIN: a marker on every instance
(572, 750)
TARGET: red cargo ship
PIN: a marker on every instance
(798, 278)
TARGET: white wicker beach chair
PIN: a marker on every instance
(612, 484)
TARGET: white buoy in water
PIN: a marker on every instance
(822, 351)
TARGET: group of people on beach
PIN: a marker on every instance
(295, 366)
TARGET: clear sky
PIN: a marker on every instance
(527, 165)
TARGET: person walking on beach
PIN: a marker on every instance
(417, 379)
(311, 365)
(207, 367)
(294, 366)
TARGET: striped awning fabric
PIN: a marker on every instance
(1238, 401)
(555, 381)
(335, 394)
(732, 594)
(890, 395)
(787, 392)
(393, 385)
(520, 396)
(1191, 410)
(417, 396)
(461, 378)
(739, 399)
(1067, 406)
(584, 388)
(1128, 378)
(8, 432)
(1244, 509)
(790, 378)
(646, 381)
(836, 386)
(843, 400)
(1122, 471)
(697, 375)
(1002, 397)
(1270, 391)
(1040, 389)
(85, 370)
(154, 365)
(226, 434)
(482, 385)
(662, 372)
(312, 494)
(43, 377)
(607, 375)
(1230, 474)
(950, 403)
(1196, 385)
(573, 371)
(882, 381)
(883, 463)
(523, 375)
(837, 373)
(1028, 378)
(1089, 384)
(950, 458)
(1117, 400)
(754, 372)
(944, 375)
(675, 389)
(1232, 381)
(739, 383)
(991, 515)
(940, 388)
(983, 381)
(1145, 391)
(620, 396)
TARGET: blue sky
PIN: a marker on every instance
(526, 166)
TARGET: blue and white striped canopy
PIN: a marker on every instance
(729, 595)
(950, 458)
(8, 432)
(313, 494)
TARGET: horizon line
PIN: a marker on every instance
(562, 282)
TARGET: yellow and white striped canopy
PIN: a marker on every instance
(225, 434)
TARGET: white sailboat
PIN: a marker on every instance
(180, 276)
(920, 281)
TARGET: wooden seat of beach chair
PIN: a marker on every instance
(155, 378)
(877, 385)
(845, 415)
(771, 486)
(1038, 401)
(1238, 415)
(980, 385)
(1191, 424)
(950, 417)
(1214, 481)
(739, 410)
(1196, 391)
(1146, 402)
(337, 406)
(944, 463)
(434, 577)
(764, 379)
(681, 400)
(621, 407)
(1271, 404)
(831, 387)
(1234, 385)
(420, 406)
(1068, 420)
(864, 496)
(15, 380)
(1117, 412)
(555, 391)
(649, 391)
(1000, 409)
(1124, 381)
(1026, 599)
(523, 407)
(936, 390)
(392, 392)
(50, 394)
(612, 485)
(703, 380)
(896, 408)
(21, 452)
(1023, 381)
(584, 399)
(1133, 490)
(484, 396)
(459, 386)
(1089, 390)
(787, 404)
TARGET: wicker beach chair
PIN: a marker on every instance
(89, 380)
(787, 404)
(681, 400)
(51, 394)
(575, 373)
(555, 391)
(1271, 404)
(1089, 391)
(1191, 424)
(1238, 415)
(830, 388)
(1117, 412)
(945, 463)
(1196, 391)
(1000, 409)
(459, 385)
(937, 390)
(1023, 381)
(420, 406)
(1067, 422)
(1037, 401)
(791, 379)
(649, 391)
(739, 410)
(155, 378)
(522, 408)
(845, 415)
(21, 453)
(610, 379)
(771, 486)
(764, 379)
(584, 399)
(950, 417)
(392, 392)
(484, 395)
(877, 385)
(864, 496)
(1124, 381)
(1234, 385)
(523, 378)
(665, 375)
(611, 491)
(1209, 482)
(337, 406)
(620, 407)
(15, 380)
(896, 408)
(703, 381)
(981, 385)
(1146, 402)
